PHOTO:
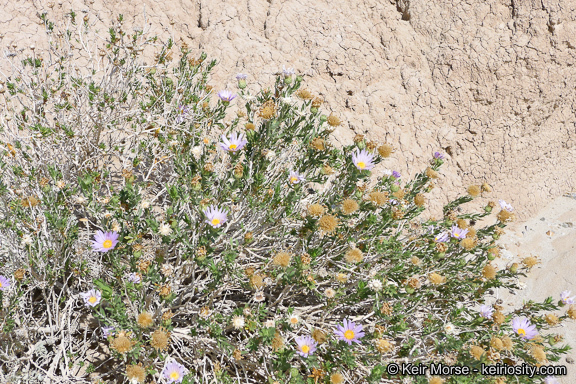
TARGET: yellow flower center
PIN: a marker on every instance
(0, 284)
(361, 165)
(233, 146)
(92, 299)
(305, 348)
(521, 332)
(174, 375)
(107, 244)
(456, 235)
(349, 334)
(215, 221)
(294, 320)
(293, 179)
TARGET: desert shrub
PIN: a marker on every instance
(148, 235)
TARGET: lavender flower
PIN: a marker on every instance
(4, 283)
(241, 76)
(107, 331)
(296, 178)
(458, 233)
(505, 206)
(363, 160)
(350, 332)
(174, 372)
(134, 277)
(287, 71)
(226, 96)
(524, 328)
(104, 242)
(438, 155)
(183, 113)
(241, 80)
(306, 345)
(486, 311)
(566, 299)
(92, 297)
(215, 216)
(442, 237)
(396, 174)
(236, 142)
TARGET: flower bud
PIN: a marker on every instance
(323, 118)
(514, 268)
(242, 83)
(395, 188)
(495, 236)
(288, 79)
(314, 109)
(274, 124)
(491, 256)
(488, 209)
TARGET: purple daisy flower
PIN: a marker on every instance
(350, 332)
(226, 96)
(287, 71)
(305, 345)
(486, 311)
(134, 277)
(92, 297)
(396, 174)
(442, 237)
(183, 113)
(296, 178)
(438, 155)
(4, 283)
(363, 160)
(107, 331)
(241, 76)
(236, 142)
(215, 216)
(458, 233)
(566, 299)
(174, 372)
(104, 242)
(524, 328)
(505, 206)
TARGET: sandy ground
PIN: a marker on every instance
(551, 236)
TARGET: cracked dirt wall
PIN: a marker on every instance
(490, 82)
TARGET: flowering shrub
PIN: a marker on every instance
(148, 236)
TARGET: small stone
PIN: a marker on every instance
(570, 360)
(550, 233)
(567, 224)
(542, 219)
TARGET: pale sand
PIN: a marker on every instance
(557, 270)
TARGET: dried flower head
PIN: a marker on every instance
(330, 293)
(551, 319)
(319, 336)
(121, 344)
(571, 312)
(384, 345)
(489, 272)
(349, 206)
(378, 198)
(419, 200)
(474, 190)
(431, 173)
(530, 261)
(282, 259)
(135, 373)
(385, 150)
(496, 343)
(354, 255)
(318, 144)
(538, 353)
(18, 275)
(257, 281)
(399, 194)
(328, 223)
(386, 309)
(477, 351)
(498, 317)
(304, 94)
(336, 378)
(145, 320)
(436, 279)
(277, 342)
(159, 339)
(435, 380)
(315, 210)
(305, 259)
(467, 243)
(333, 121)
(507, 342)
(268, 110)
(341, 277)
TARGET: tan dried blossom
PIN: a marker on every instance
(237, 354)
(317, 102)
(385, 150)
(304, 94)
(319, 335)
(333, 120)
(159, 339)
(318, 144)
(414, 282)
(282, 259)
(378, 198)
(164, 290)
(498, 318)
(336, 378)
(250, 126)
(489, 272)
(538, 353)
(136, 373)
(467, 243)
(257, 281)
(305, 259)
(530, 261)
(496, 343)
(431, 173)
(551, 319)
(571, 312)
(277, 342)
(399, 194)
(268, 110)
(145, 320)
(315, 210)
(386, 309)
(121, 344)
(19, 274)
(436, 279)
(474, 190)
(208, 167)
(504, 216)
(349, 206)
(384, 345)
(328, 223)
(341, 277)
(477, 351)
(397, 214)
(419, 200)
(435, 380)
(143, 265)
(354, 255)
(441, 247)
(166, 316)
(327, 170)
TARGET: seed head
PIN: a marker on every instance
(477, 352)
(19, 274)
(505, 216)
(159, 339)
(277, 342)
(315, 210)
(436, 279)
(249, 126)
(431, 173)
(318, 144)
(474, 190)
(333, 121)
(467, 243)
(399, 194)
(349, 206)
(385, 150)
(551, 319)
(336, 378)
(498, 318)
(121, 344)
(530, 261)
(328, 223)
(486, 187)
(256, 281)
(354, 255)
(386, 309)
(319, 335)
(496, 343)
(419, 200)
(489, 272)
(136, 373)
(435, 380)
(538, 353)
(282, 259)
(304, 94)
(571, 312)
(378, 198)
(145, 320)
